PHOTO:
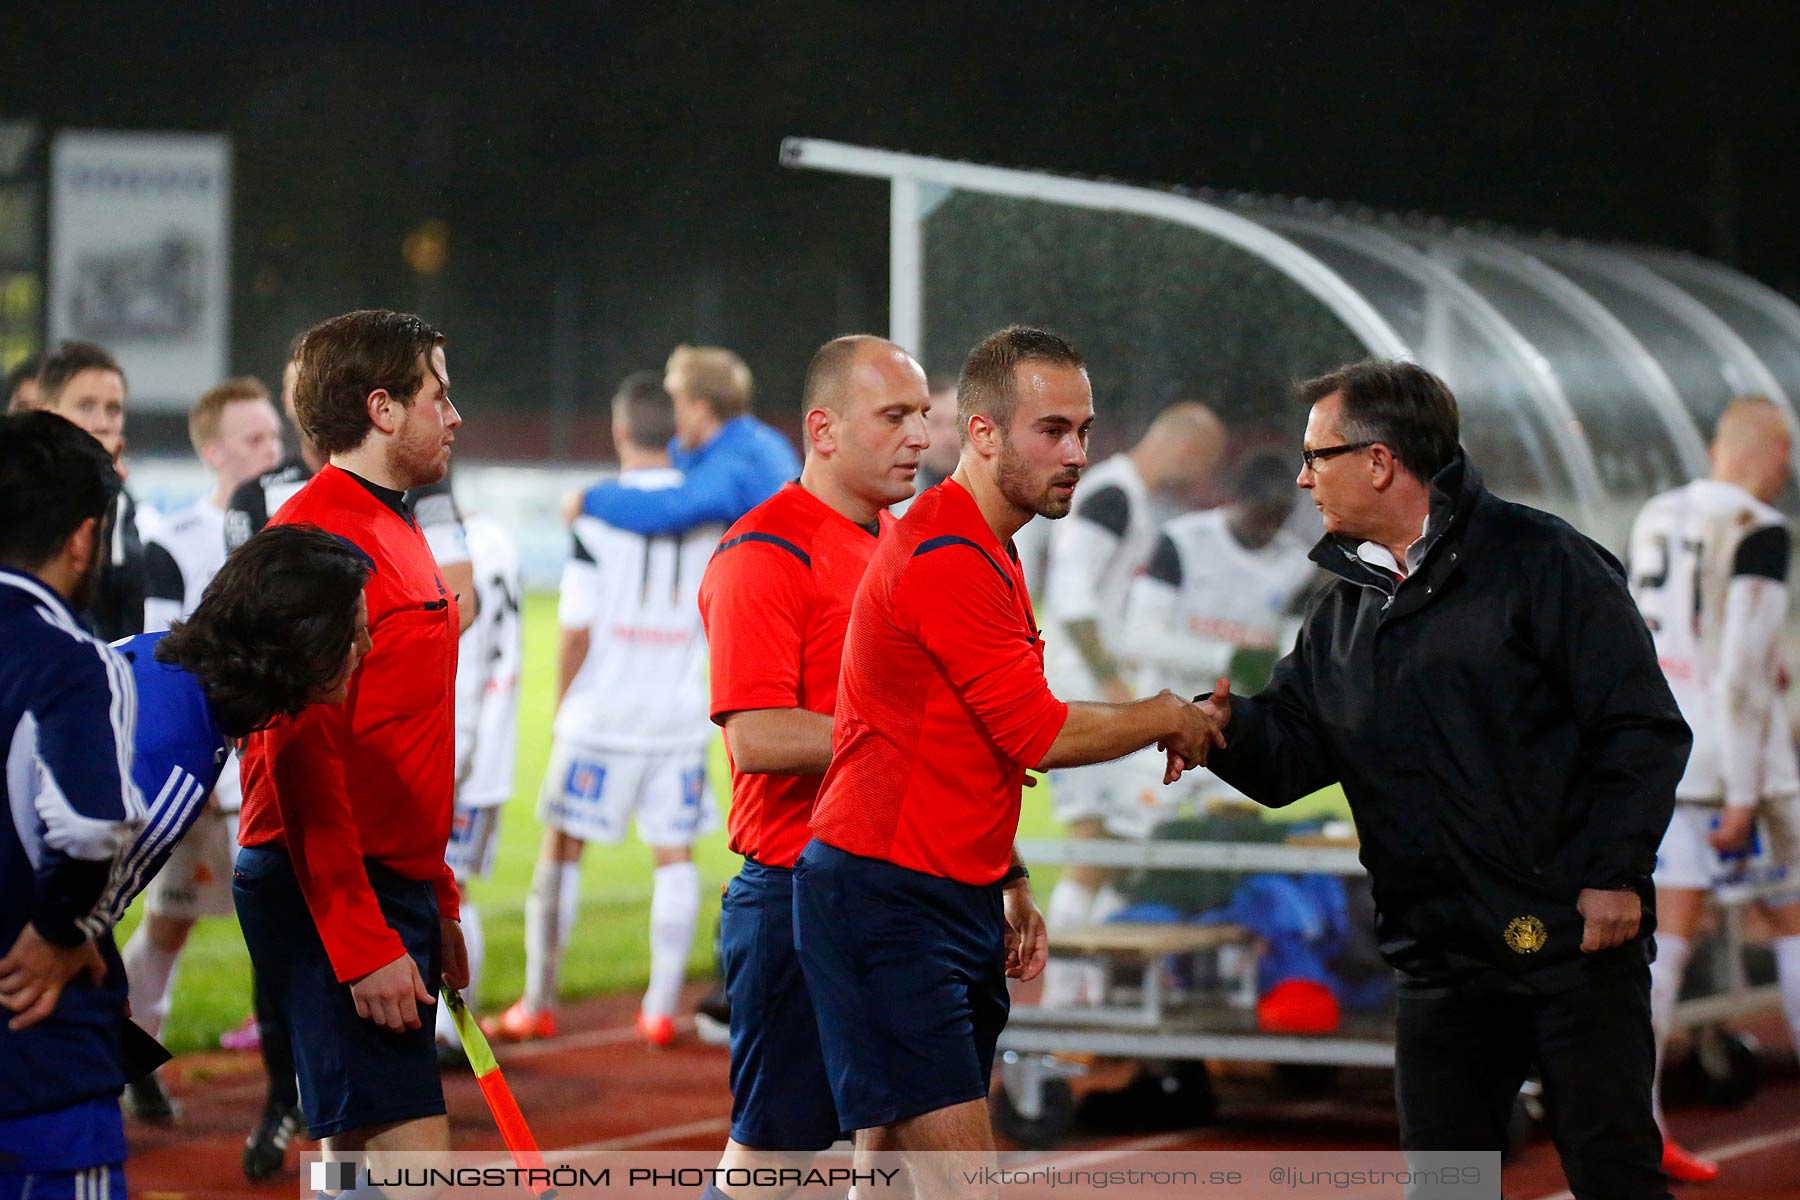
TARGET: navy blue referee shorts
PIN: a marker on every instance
(780, 1098)
(908, 979)
(353, 1073)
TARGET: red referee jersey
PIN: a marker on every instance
(775, 600)
(371, 777)
(942, 703)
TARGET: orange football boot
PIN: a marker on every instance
(517, 1024)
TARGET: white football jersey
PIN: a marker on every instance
(1708, 565)
(185, 552)
(1094, 552)
(440, 520)
(642, 686)
(1205, 599)
(194, 540)
(487, 670)
(1031, 544)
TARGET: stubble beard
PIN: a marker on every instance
(1016, 484)
(419, 464)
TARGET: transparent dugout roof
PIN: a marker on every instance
(1589, 377)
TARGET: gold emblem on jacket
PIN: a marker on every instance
(1525, 935)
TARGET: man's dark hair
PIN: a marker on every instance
(346, 358)
(988, 382)
(66, 362)
(26, 368)
(1399, 404)
(53, 476)
(273, 627)
(647, 410)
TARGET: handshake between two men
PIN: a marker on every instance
(1187, 731)
(1201, 728)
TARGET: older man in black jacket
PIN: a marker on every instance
(1482, 685)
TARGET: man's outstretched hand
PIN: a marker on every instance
(1189, 750)
(1218, 705)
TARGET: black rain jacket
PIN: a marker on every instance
(1501, 728)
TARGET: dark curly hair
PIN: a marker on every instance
(273, 627)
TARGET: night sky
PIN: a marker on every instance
(624, 156)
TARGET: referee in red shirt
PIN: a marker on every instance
(910, 906)
(347, 907)
(776, 600)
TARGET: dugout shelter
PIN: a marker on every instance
(1589, 377)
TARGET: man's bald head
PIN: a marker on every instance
(1190, 420)
(858, 362)
(1182, 447)
(864, 413)
(1751, 446)
(1747, 421)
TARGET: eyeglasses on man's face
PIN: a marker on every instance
(1312, 458)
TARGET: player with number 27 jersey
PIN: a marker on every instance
(1709, 572)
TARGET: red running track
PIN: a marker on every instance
(596, 1087)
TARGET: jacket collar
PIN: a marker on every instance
(39, 591)
(1455, 491)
